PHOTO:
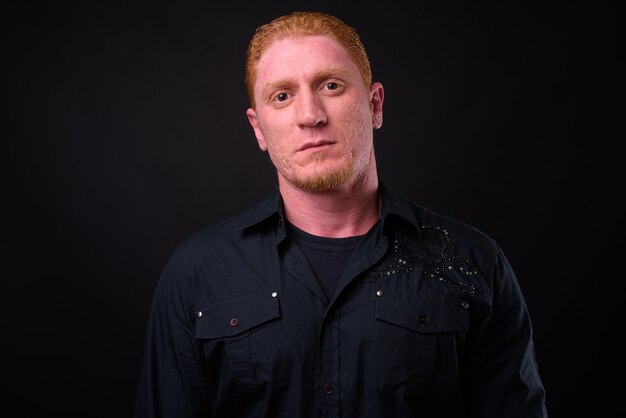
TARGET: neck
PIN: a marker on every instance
(346, 211)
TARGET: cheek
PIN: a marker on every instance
(357, 122)
(275, 131)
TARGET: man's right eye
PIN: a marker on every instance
(281, 97)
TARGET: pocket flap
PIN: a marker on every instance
(425, 315)
(235, 316)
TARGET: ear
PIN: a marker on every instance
(377, 95)
(254, 121)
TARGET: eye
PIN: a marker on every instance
(332, 87)
(281, 97)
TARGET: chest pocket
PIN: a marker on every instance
(248, 331)
(416, 342)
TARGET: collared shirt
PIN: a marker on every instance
(428, 320)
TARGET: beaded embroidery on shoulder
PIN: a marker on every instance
(433, 254)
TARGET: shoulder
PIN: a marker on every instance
(456, 252)
(232, 231)
(428, 222)
(220, 247)
(460, 234)
(484, 263)
(450, 245)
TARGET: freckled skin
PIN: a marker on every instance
(308, 91)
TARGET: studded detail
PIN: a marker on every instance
(433, 254)
(423, 319)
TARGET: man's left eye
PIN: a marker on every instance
(332, 86)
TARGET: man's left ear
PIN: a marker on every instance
(377, 95)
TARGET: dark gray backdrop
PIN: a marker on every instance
(124, 130)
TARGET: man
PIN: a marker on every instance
(335, 297)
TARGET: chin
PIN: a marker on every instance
(324, 182)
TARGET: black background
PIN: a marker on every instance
(124, 131)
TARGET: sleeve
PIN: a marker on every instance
(172, 382)
(503, 378)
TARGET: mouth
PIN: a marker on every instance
(315, 145)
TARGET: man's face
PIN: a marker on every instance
(313, 113)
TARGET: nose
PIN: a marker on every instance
(310, 110)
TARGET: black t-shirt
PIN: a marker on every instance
(328, 257)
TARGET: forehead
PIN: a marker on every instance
(296, 56)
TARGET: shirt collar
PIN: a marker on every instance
(393, 205)
(265, 209)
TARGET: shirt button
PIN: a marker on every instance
(379, 293)
(465, 305)
(328, 388)
(423, 319)
(274, 294)
(234, 322)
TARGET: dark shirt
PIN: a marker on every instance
(428, 320)
(327, 257)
